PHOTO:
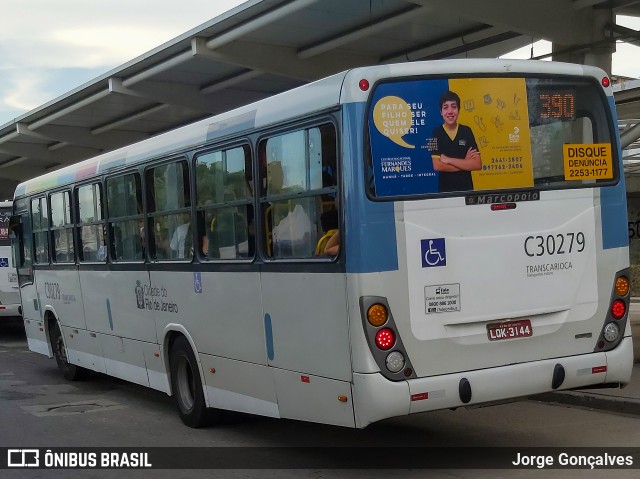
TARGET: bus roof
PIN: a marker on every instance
(317, 96)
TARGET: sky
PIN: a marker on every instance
(50, 47)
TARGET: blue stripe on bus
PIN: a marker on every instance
(370, 225)
(613, 204)
(268, 334)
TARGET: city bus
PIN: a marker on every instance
(390, 240)
(9, 293)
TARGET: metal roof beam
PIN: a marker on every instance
(282, 61)
(40, 152)
(170, 93)
(127, 119)
(22, 171)
(552, 20)
(14, 162)
(625, 34)
(161, 67)
(630, 135)
(65, 134)
(230, 81)
(257, 22)
(449, 43)
(70, 109)
(363, 31)
(579, 4)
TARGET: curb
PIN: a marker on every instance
(603, 402)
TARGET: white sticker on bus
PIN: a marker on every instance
(442, 298)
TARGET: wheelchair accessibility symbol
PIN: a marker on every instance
(4, 262)
(433, 252)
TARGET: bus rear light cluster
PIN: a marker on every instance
(384, 342)
(615, 322)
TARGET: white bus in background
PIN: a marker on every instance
(9, 293)
(480, 215)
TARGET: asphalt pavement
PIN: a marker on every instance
(622, 400)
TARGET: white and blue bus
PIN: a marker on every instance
(9, 293)
(386, 241)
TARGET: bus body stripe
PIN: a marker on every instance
(371, 235)
(613, 204)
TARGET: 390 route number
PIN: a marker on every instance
(561, 243)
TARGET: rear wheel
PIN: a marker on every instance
(187, 386)
(69, 371)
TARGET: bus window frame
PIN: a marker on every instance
(111, 220)
(149, 245)
(65, 227)
(22, 244)
(249, 201)
(43, 196)
(261, 199)
(78, 224)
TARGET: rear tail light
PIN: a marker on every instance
(611, 332)
(385, 339)
(618, 309)
(622, 286)
(615, 322)
(377, 315)
(395, 361)
(383, 336)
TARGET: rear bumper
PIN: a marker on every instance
(377, 398)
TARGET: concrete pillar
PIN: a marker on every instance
(598, 52)
(604, 46)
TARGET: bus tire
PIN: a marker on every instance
(70, 371)
(186, 386)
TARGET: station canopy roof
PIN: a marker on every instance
(264, 47)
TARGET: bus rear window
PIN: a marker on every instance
(459, 135)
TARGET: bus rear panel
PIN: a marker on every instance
(511, 282)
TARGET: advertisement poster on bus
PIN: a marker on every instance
(431, 136)
(5, 216)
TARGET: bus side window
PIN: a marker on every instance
(124, 204)
(40, 230)
(169, 211)
(299, 190)
(90, 223)
(62, 227)
(224, 199)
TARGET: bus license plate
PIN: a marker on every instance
(509, 330)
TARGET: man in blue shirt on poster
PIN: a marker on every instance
(455, 152)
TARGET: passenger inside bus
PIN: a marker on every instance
(333, 244)
(179, 243)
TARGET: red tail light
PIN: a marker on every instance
(618, 309)
(385, 339)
